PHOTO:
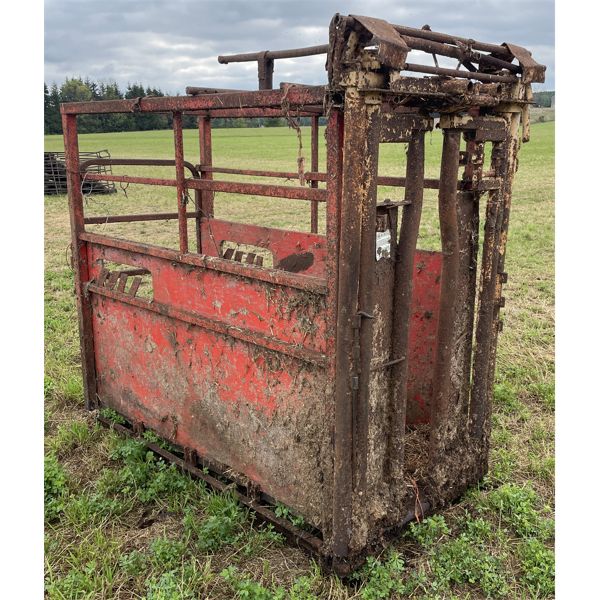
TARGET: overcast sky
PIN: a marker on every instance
(175, 43)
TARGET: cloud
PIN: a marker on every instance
(174, 44)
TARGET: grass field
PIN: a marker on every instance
(120, 524)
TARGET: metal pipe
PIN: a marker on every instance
(442, 379)
(142, 162)
(402, 299)
(456, 73)
(272, 55)
(427, 34)
(444, 49)
(197, 91)
(137, 217)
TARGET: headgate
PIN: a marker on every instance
(347, 375)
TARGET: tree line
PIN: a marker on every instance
(86, 90)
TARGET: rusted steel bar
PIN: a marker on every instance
(335, 415)
(295, 96)
(353, 347)
(402, 299)
(132, 162)
(215, 325)
(314, 165)
(233, 187)
(442, 379)
(266, 66)
(258, 189)
(310, 176)
(207, 197)
(80, 259)
(275, 54)
(136, 218)
(485, 315)
(299, 281)
(490, 284)
(196, 91)
(365, 195)
(445, 38)
(182, 197)
(464, 74)
(254, 112)
(131, 179)
(445, 49)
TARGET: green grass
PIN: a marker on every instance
(122, 524)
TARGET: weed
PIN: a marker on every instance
(166, 554)
(133, 563)
(516, 506)
(222, 527)
(55, 488)
(70, 436)
(380, 580)
(429, 531)
(460, 561)
(246, 588)
(283, 512)
(537, 563)
(112, 415)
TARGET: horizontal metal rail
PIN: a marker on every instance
(210, 323)
(232, 187)
(293, 97)
(133, 162)
(274, 54)
(136, 218)
(463, 74)
(309, 283)
(382, 180)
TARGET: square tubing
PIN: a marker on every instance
(402, 299)
(353, 344)
(80, 259)
(181, 187)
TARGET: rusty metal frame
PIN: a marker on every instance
(392, 343)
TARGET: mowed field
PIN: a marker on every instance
(121, 524)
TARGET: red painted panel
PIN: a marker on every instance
(290, 315)
(423, 335)
(257, 411)
(293, 251)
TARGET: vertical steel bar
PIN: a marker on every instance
(80, 260)
(365, 195)
(402, 294)
(342, 444)
(442, 378)
(180, 177)
(206, 197)
(358, 202)
(485, 315)
(490, 290)
(468, 216)
(314, 167)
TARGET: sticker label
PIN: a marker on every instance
(384, 244)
